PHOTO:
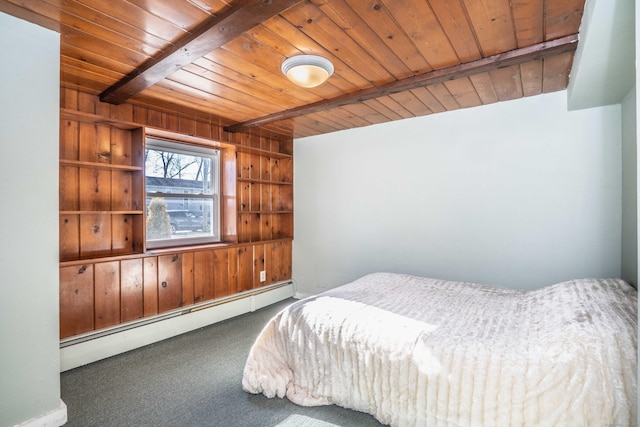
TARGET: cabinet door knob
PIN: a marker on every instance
(164, 284)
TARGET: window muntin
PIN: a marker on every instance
(182, 194)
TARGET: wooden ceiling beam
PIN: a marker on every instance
(507, 59)
(210, 35)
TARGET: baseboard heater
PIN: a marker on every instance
(78, 350)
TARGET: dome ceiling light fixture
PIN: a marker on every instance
(307, 70)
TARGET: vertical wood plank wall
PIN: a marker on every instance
(106, 277)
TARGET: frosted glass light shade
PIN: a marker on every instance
(307, 70)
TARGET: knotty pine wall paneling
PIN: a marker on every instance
(107, 294)
(170, 282)
(150, 286)
(76, 299)
(131, 289)
(107, 277)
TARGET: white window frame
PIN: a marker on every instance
(174, 146)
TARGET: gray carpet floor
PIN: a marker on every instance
(190, 380)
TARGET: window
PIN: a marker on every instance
(182, 199)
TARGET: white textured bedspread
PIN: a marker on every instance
(413, 351)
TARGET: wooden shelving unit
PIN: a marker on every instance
(101, 187)
(106, 275)
(265, 197)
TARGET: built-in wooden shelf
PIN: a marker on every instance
(263, 181)
(101, 212)
(267, 212)
(261, 152)
(66, 114)
(165, 251)
(94, 165)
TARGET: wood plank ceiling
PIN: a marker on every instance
(394, 59)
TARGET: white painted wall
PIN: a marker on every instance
(603, 69)
(29, 105)
(519, 194)
(604, 72)
(629, 189)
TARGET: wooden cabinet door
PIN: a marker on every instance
(280, 268)
(203, 276)
(76, 300)
(188, 295)
(131, 289)
(107, 294)
(221, 285)
(169, 282)
(150, 286)
(245, 268)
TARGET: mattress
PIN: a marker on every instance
(416, 351)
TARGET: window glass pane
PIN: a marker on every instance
(171, 218)
(182, 190)
(178, 173)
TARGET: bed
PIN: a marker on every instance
(415, 351)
